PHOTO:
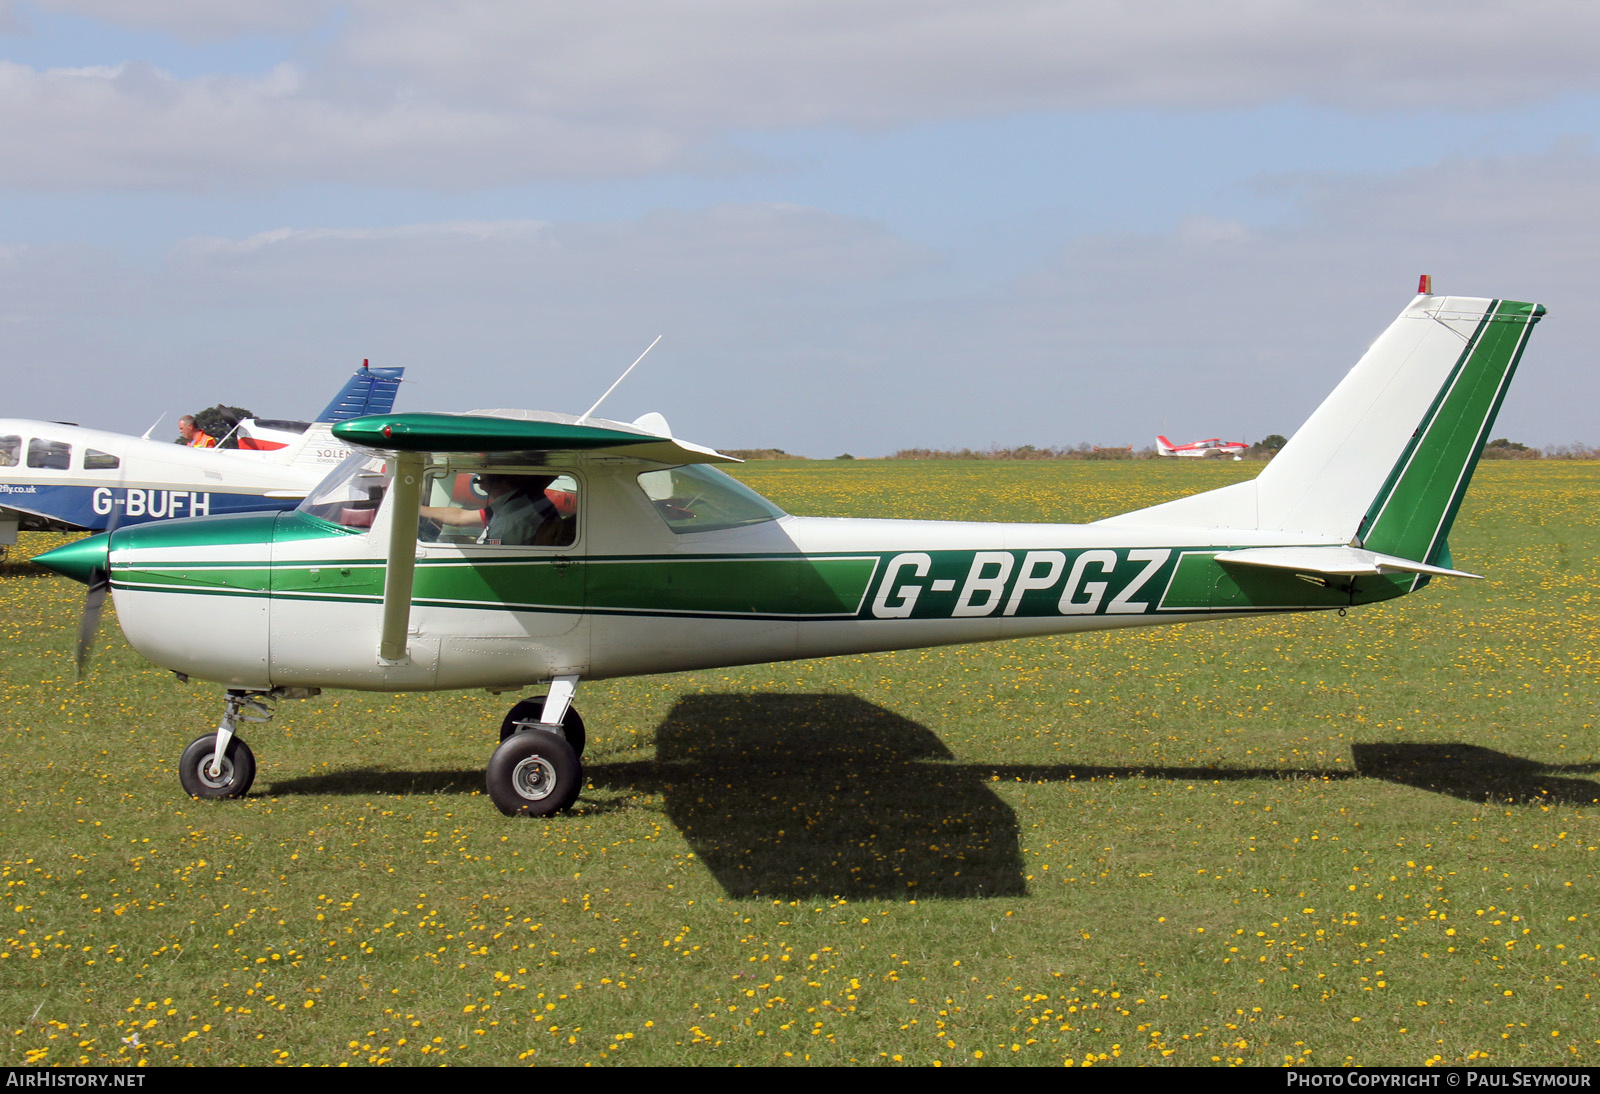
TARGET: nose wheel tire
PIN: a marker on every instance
(530, 710)
(233, 781)
(534, 773)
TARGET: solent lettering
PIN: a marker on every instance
(996, 582)
(154, 504)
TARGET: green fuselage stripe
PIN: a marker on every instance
(785, 586)
(939, 584)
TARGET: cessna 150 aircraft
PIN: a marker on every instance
(609, 549)
(65, 478)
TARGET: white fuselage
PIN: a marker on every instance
(299, 604)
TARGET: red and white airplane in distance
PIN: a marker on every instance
(1199, 449)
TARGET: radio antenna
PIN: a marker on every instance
(585, 415)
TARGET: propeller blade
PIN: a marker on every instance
(99, 585)
(93, 604)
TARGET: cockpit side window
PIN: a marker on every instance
(50, 455)
(499, 508)
(10, 449)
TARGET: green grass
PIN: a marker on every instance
(1312, 839)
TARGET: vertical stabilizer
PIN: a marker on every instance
(369, 391)
(1384, 461)
(1412, 513)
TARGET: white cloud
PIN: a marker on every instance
(133, 126)
(200, 20)
(797, 62)
(480, 92)
(815, 332)
(483, 313)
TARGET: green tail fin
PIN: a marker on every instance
(1413, 512)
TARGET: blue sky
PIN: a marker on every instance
(858, 226)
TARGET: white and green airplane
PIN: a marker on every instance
(505, 549)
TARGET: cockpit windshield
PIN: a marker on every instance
(696, 498)
(351, 493)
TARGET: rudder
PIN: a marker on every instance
(1384, 460)
(1413, 512)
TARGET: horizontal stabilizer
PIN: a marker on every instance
(1333, 561)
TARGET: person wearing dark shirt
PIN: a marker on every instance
(518, 513)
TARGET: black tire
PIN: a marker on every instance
(238, 769)
(529, 710)
(534, 773)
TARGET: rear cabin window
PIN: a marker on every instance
(50, 455)
(10, 449)
(100, 461)
(499, 508)
(696, 498)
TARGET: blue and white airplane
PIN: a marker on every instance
(66, 478)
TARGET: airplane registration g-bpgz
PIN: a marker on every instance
(605, 549)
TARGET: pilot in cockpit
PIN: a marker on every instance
(518, 513)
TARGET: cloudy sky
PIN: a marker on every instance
(859, 226)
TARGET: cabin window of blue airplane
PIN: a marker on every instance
(50, 455)
(10, 449)
(499, 508)
(94, 460)
(696, 498)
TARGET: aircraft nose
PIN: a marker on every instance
(78, 560)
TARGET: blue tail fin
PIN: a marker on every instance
(369, 391)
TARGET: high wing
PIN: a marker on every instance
(521, 431)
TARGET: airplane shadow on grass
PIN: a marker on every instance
(797, 796)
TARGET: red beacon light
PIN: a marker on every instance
(1425, 285)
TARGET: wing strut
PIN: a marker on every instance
(405, 498)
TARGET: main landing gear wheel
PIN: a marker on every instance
(534, 773)
(238, 769)
(529, 711)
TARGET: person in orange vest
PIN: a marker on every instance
(192, 435)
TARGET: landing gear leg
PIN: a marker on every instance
(540, 713)
(536, 771)
(220, 764)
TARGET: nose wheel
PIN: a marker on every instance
(220, 765)
(203, 778)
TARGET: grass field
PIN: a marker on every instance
(1312, 839)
